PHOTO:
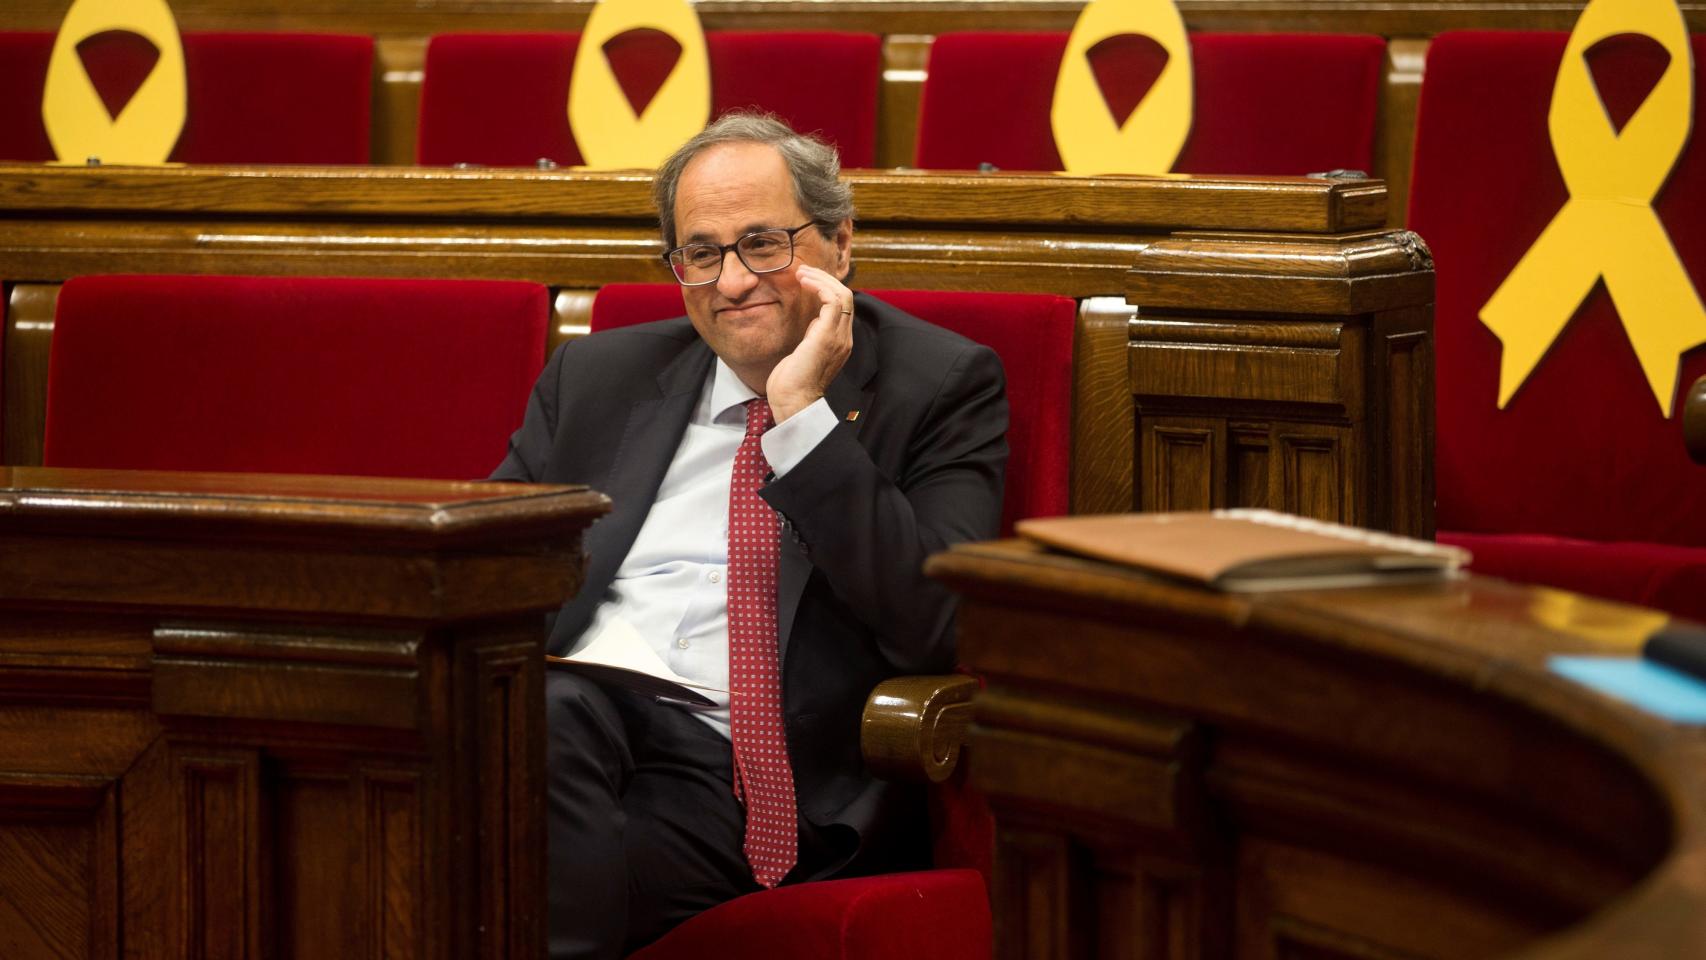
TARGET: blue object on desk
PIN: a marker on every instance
(1653, 687)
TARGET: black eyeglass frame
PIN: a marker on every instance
(723, 253)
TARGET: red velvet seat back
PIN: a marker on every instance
(1031, 333)
(252, 97)
(403, 378)
(502, 99)
(1582, 450)
(1264, 103)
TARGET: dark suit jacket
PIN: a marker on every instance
(918, 468)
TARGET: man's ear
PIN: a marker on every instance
(844, 250)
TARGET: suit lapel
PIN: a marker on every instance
(848, 393)
(648, 442)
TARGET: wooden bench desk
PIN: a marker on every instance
(1241, 342)
(248, 715)
(1372, 773)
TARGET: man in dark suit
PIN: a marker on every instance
(887, 445)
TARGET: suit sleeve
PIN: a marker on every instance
(869, 534)
(530, 445)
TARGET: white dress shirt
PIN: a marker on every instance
(671, 586)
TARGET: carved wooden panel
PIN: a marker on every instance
(1249, 465)
(1401, 444)
(1034, 878)
(231, 757)
(507, 714)
(59, 867)
(1299, 903)
(1182, 463)
(1313, 474)
(224, 877)
(393, 875)
(1381, 774)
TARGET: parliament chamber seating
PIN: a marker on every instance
(390, 378)
(252, 97)
(1271, 104)
(502, 99)
(942, 912)
(1581, 481)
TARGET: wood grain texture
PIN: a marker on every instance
(1102, 411)
(221, 734)
(912, 728)
(1353, 274)
(1224, 319)
(1385, 772)
(1301, 204)
(222, 875)
(24, 344)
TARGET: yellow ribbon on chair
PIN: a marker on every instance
(610, 134)
(1608, 226)
(145, 130)
(1089, 138)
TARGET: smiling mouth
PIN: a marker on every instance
(742, 310)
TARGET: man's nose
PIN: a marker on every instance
(736, 280)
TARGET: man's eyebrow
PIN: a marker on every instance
(703, 236)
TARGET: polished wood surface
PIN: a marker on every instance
(275, 716)
(1371, 773)
(1694, 421)
(1241, 342)
(913, 727)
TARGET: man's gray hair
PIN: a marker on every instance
(813, 164)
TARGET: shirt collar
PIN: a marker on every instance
(728, 393)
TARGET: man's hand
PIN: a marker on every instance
(801, 377)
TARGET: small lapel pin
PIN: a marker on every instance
(852, 415)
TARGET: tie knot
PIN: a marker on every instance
(758, 417)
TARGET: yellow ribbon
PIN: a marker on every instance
(1089, 138)
(78, 123)
(610, 135)
(1608, 226)
(1605, 622)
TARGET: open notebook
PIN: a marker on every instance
(1248, 550)
(618, 655)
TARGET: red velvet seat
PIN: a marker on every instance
(943, 913)
(400, 378)
(252, 97)
(502, 99)
(1580, 482)
(1265, 103)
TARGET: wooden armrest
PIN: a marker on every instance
(914, 727)
(1694, 421)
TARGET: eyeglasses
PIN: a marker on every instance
(764, 251)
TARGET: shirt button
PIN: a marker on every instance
(681, 643)
(716, 576)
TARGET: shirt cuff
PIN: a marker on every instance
(788, 442)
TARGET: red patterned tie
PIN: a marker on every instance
(762, 775)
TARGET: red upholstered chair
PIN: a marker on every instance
(252, 98)
(399, 378)
(1264, 103)
(502, 99)
(941, 913)
(1580, 482)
